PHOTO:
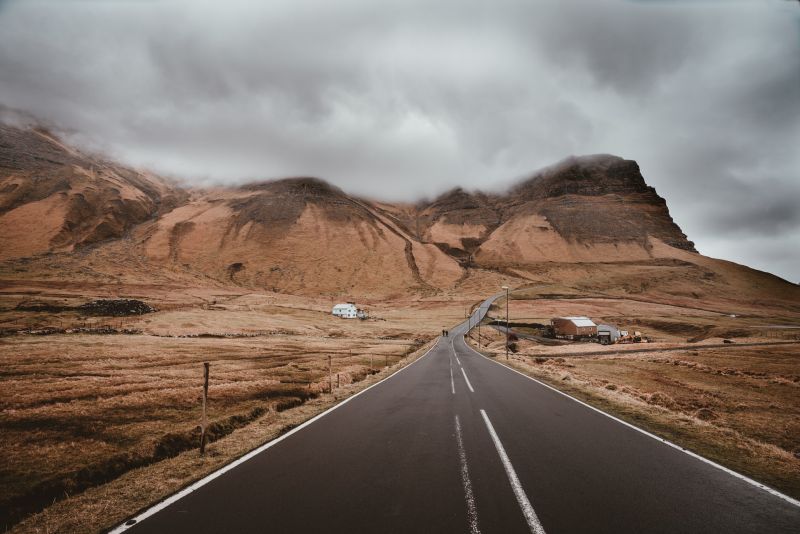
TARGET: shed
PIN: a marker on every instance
(345, 311)
(573, 327)
(607, 334)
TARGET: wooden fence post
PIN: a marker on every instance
(204, 423)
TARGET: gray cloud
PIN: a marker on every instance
(401, 99)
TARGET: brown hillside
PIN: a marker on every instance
(298, 235)
(590, 208)
(590, 222)
(54, 198)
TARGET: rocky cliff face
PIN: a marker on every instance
(601, 199)
(579, 204)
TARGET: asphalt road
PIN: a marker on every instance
(458, 443)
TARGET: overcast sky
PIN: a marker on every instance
(399, 100)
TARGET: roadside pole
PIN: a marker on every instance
(507, 332)
(204, 422)
(330, 374)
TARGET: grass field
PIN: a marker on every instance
(97, 426)
(81, 410)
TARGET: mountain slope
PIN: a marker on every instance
(590, 208)
(590, 222)
(298, 235)
(54, 198)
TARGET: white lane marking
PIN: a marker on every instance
(527, 510)
(467, 379)
(224, 469)
(452, 382)
(731, 472)
(472, 510)
(452, 346)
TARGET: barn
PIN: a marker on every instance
(573, 327)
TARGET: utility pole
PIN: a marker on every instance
(479, 328)
(507, 331)
(204, 422)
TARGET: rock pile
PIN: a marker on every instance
(115, 307)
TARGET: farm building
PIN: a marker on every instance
(349, 311)
(573, 327)
(607, 334)
(345, 311)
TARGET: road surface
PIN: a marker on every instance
(458, 443)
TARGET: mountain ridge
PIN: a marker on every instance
(303, 235)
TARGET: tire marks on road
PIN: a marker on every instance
(472, 510)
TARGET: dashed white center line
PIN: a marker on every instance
(452, 382)
(454, 354)
(467, 380)
(527, 510)
(472, 510)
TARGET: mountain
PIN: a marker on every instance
(589, 222)
(54, 198)
(297, 235)
(591, 208)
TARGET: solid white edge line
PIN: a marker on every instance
(467, 380)
(527, 510)
(472, 510)
(242, 459)
(712, 463)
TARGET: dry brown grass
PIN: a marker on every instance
(102, 424)
(80, 412)
(107, 505)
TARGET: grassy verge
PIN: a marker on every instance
(101, 507)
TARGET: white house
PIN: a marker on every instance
(345, 311)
